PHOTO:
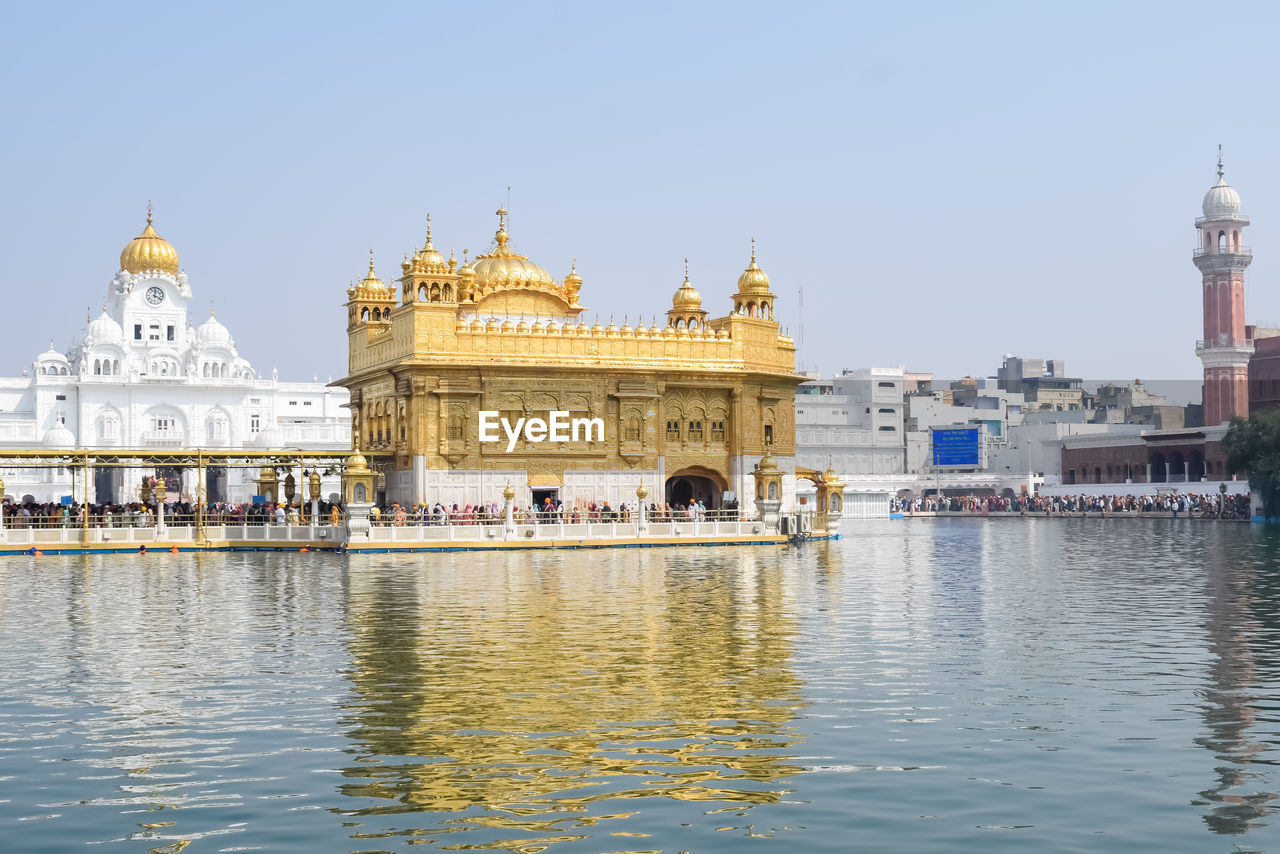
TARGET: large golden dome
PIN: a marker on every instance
(753, 280)
(149, 252)
(505, 268)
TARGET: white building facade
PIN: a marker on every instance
(142, 376)
(853, 421)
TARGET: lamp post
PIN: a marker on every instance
(642, 523)
(160, 493)
(508, 512)
(313, 491)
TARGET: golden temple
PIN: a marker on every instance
(687, 409)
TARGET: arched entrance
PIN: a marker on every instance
(695, 483)
(1158, 472)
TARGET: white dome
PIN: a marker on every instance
(1222, 202)
(272, 437)
(213, 334)
(103, 330)
(59, 437)
(51, 355)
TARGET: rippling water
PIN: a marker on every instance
(946, 685)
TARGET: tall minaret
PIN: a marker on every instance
(1222, 258)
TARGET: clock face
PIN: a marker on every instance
(155, 295)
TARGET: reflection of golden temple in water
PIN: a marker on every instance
(568, 685)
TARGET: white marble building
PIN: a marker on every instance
(142, 375)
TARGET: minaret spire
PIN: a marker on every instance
(1219, 161)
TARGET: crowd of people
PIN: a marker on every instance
(1209, 505)
(32, 514)
(547, 513)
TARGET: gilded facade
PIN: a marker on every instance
(688, 408)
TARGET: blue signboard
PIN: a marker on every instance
(956, 447)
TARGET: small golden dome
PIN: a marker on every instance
(523, 326)
(686, 297)
(508, 493)
(573, 278)
(428, 259)
(611, 330)
(149, 252)
(597, 329)
(829, 476)
(767, 465)
(371, 283)
(357, 464)
(753, 280)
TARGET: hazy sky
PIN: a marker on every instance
(947, 182)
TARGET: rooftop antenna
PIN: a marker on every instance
(802, 329)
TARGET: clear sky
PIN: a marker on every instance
(948, 182)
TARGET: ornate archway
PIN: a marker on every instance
(695, 483)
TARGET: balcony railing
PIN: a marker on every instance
(1201, 251)
(1225, 342)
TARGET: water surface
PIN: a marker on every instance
(922, 685)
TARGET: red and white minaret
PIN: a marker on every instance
(1222, 258)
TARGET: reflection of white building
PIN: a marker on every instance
(142, 376)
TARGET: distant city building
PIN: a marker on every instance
(141, 376)
(1044, 383)
(1150, 457)
(1264, 369)
(1222, 258)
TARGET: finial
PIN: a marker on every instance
(149, 208)
(1219, 164)
(428, 232)
(88, 314)
(211, 309)
(104, 308)
(464, 257)
(371, 264)
(502, 218)
(686, 270)
(573, 265)
(753, 250)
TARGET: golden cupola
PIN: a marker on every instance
(753, 280)
(686, 305)
(428, 259)
(753, 298)
(371, 285)
(149, 252)
(686, 297)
